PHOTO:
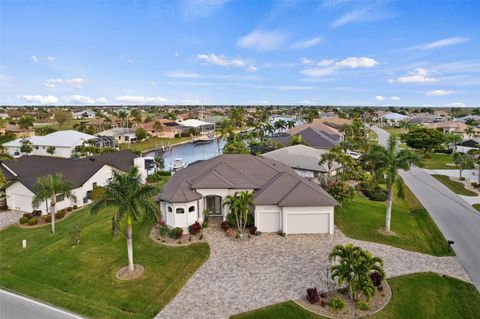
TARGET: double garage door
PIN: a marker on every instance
(296, 222)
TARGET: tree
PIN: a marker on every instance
(51, 150)
(241, 204)
(463, 161)
(470, 131)
(235, 146)
(124, 116)
(237, 117)
(25, 122)
(309, 114)
(328, 158)
(224, 130)
(26, 146)
(140, 134)
(53, 188)
(130, 200)
(354, 268)
(388, 162)
(44, 130)
(475, 153)
(296, 140)
(423, 138)
(454, 139)
(62, 116)
(157, 126)
(280, 125)
(291, 124)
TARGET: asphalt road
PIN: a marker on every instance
(13, 306)
(457, 220)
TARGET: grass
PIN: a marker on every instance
(476, 206)
(415, 296)
(152, 143)
(454, 186)
(361, 218)
(437, 161)
(66, 126)
(395, 131)
(82, 278)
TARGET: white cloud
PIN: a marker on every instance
(101, 100)
(80, 99)
(262, 40)
(375, 11)
(456, 104)
(306, 61)
(127, 58)
(40, 99)
(251, 68)
(445, 43)
(34, 58)
(439, 92)
(139, 99)
(306, 102)
(305, 44)
(395, 98)
(419, 75)
(222, 60)
(52, 83)
(76, 83)
(51, 58)
(191, 9)
(182, 75)
(176, 54)
(191, 102)
(379, 98)
(326, 67)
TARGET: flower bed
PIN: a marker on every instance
(162, 234)
(36, 219)
(328, 301)
(232, 232)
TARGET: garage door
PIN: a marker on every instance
(269, 222)
(307, 223)
(21, 202)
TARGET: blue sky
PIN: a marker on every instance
(240, 52)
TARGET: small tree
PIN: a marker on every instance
(51, 150)
(26, 146)
(25, 122)
(423, 138)
(62, 116)
(463, 161)
(140, 134)
(241, 204)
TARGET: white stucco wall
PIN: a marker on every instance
(174, 219)
(65, 152)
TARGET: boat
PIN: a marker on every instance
(204, 139)
(177, 165)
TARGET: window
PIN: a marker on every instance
(191, 209)
(59, 198)
(180, 211)
(169, 209)
(94, 185)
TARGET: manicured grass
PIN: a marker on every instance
(284, 310)
(415, 296)
(67, 126)
(456, 187)
(476, 206)
(361, 218)
(395, 131)
(152, 143)
(82, 278)
(429, 295)
(437, 161)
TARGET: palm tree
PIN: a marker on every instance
(475, 153)
(50, 188)
(224, 130)
(470, 131)
(237, 117)
(25, 122)
(157, 126)
(454, 139)
(328, 158)
(241, 205)
(462, 160)
(388, 162)
(290, 124)
(130, 199)
(270, 129)
(124, 116)
(280, 125)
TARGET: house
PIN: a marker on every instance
(335, 122)
(320, 125)
(428, 118)
(84, 114)
(168, 128)
(312, 136)
(201, 126)
(392, 118)
(19, 132)
(285, 202)
(85, 174)
(452, 127)
(304, 160)
(468, 145)
(63, 142)
(121, 134)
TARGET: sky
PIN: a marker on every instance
(333, 52)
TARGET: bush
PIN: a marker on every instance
(376, 278)
(60, 214)
(336, 303)
(36, 213)
(253, 230)
(229, 232)
(225, 225)
(205, 224)
(75, 206)
(176, 233)
(379, 197)
(312, 295)
(163, 230)
(33, 221)
(164, 173)
(47, 218)
(23, 220)
(27, 215)
(462, 178)
(474, 184)
(194, 228)
(69, 209)
(362, 305)
(233, 222)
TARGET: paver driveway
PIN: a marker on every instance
(9, 217)
(242, 276)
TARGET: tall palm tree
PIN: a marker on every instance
(329, 159)
(241, 205)
(388, 162)
(290, 124)
(131, 200)
(224, 130)
(470, 131)
(124, 116)
(462, 160)
(49, 188)
(280, 125)
(25, 122)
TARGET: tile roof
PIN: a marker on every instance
(66, 138)
(313, 137)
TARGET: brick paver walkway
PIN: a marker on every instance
(242, 276)
(9, 217)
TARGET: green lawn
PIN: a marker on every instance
(437, 161)
(456, 187)
(360, 218)
(395, 131)
(152, 143)
(82, 278)
(415, 296)
(67, 126)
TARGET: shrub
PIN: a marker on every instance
(362, 305)
(27, 215)
(379, 197)
(376, 278)
(336, 303)
(474, 184)
(233, 222)
(205, 224)
(23, 220)
(176, 232)
(229, 232)
(164, 173)
(69, 209)
(253, 230)
(60, 214)
(47, 218)
(462, 178)
(194, 228)
(33, 221)
(162, 222)
(75, 206)
(323, 303)
(36, 213)
(164, 230)
(312, 295)
(225, 225)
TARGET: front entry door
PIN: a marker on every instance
(214, 205)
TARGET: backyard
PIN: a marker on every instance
(437, 161)
(454, 186)
(153, 142)
(361, 218)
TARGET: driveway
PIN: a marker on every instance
(455, 217)
(9, 217)
(242, 276)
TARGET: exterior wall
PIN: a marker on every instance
(305, 173)
(267, 209)
(217, 192)
(174, 219)
(64, 152)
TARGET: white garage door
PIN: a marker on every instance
(307, 223)
(22, 202)
(269, 222)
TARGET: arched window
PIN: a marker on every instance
(169, 209)
(191, 209)
(180, 211)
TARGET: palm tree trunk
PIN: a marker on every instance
(130, 244)
(52, 214)
(388, 217)
(460, 171)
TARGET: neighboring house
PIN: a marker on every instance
(85, 174)
(392, 118)
(452, 127)
(214, 119)
(321, 126)
(467, 118)
(3, 116)
(19, 132)
(64, 143)
(121, 134)
(84, 114)
(468, 144)
(335, 122)
(304, 160)
(285, 202)
(201, 126)
(168, 129)
(312, 136)
(430, 118)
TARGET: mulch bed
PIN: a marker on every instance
(124, 274)
(41, 220)
(377, 303)
(185, 240)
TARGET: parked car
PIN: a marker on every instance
(353, 154)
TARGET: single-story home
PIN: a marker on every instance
(19, 132)
(85, 174)
(63, 142)
(468, 145)
(84, 114)
(201, 126)
(121, 134)
(304, 160)
(313, 136)
(285, 202)
(452, 127)
(393, 118)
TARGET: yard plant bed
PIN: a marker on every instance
(455, 186)
(45, 219)
(184, 240)
(82, 278)
(361, 218)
